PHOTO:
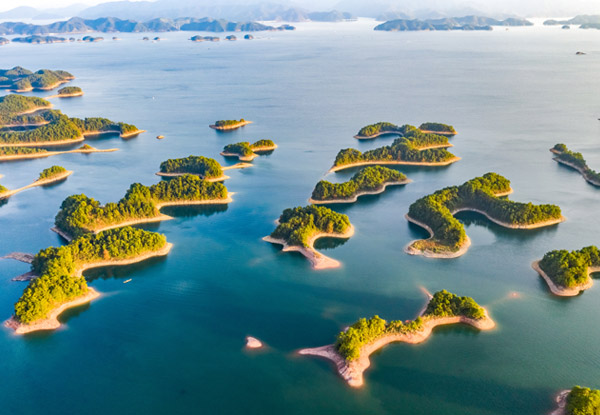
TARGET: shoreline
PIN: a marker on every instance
(355, 197)
(352, 371)
(76, 94)
(51, 322)
(564, 291)
(230, 127)
(35, 109)
(126, 135)
(561, 402)
(212, 179)
(446, 133)
(581, 170)
(379, 134)
(317, 259)
(43, 182)
(543, 224)
(393, 162)
(45, 143)
(54, 153)
(45, 88)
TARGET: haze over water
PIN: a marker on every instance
(171, 341)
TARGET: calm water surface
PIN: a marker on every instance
(171, 341)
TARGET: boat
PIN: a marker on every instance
(160, 137)
(126, 281)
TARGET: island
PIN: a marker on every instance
(385, 128)
(60, 284)
(231, 37)
(38, 40)
(248, 37)
(578, 401)
(228, 125)
(568, 273)
(92, 39)
(69, 92)
(80, 214)
(23, 153)
(414, 148)
(20, 79)
(298, 228)
(367, 181)
(50, 175)
(199, 38)
(450, 23)
(207, 168)
(577, 162)
(245, 151)
(350, 353)
(448, 239)
(437, 128)
(253, 343)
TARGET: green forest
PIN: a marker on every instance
(206, 167)
(16, 151)
(19, 78)
(297, 225)
(228, 123)
(69, 90)
(571, 157)
(377, 128)
(583, 401)
(51, 172)
(246, 149)
(437, 127)
(12, 105)
(570, 269)
(367, 179)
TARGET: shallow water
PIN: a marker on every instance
(171, 341)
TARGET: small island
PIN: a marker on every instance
(372, 131)
(69, 92)
(298, 229)
(253, 343)
(228, 125)
(350, 353)
(38, 40)
(60, 284)
(437, 128)
(80, 215)
(198, 38)
(207, 168)
(23, 153)
(577, 162)
(413, 148)
(568, 273)
(245, 151)
(578, 401)
(368, 181)
(20, 79)
(50, 175)
(448, 239)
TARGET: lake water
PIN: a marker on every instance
(172, 340)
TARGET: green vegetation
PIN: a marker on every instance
(570, 269)
(479, 193)
(11, 106)
(101, 125)
(245, 149)
(57, 267)
(16, 151)
(206, 167)
(577, 160)
(583, 401)
(367, 179)
(21, 79)
(262, 143)
(61, 129)
(70, 90)
(388, 127)
(437, 127)
(80, 214)
(3, 189)
(51, 172)
(413, 147)
(229, 123)
(297, 225)
(443, 304)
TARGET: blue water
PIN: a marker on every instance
(171, 341)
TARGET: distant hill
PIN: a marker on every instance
(585, 21)
(111, 24)
(452, 23)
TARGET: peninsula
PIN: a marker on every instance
(60, 284)
(207, 168)
(413, 148)
(350, 353)
(227, 125)
(368, 181)
(577, 162)
(578, 401)
(47, 176)
(568, 273)
(448, 239)
(23, 153)
(245, 151)
(383, 128)
(298, 229)
(80, 215)
(19, 79)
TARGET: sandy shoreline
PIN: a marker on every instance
(579, 169)
(352, 371)
(564, 291)
(447, 133)
(76, 94)
(37, 183)
(45, 143)
(54, 153)
(51, 322)
(429, 254)
(355, 197)
(230, 127)
(392, 163)
(317, 259)
(561, 402)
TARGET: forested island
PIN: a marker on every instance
(207, 168)
(577, 162)
(413, 148)
(368, 181)
(568, 273)
(20, 79)
(382, 128)
(448, 239)
(51, 127)
(47, 176)
(350, 353)
(23, 153)
(198, 38)
(578, 401)
(69, 91)
(225, 125)
(245, 151)
(60, 284)
(298, 229)
(80, 214)
(450, 23)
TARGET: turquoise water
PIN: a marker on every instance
(171, 341)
